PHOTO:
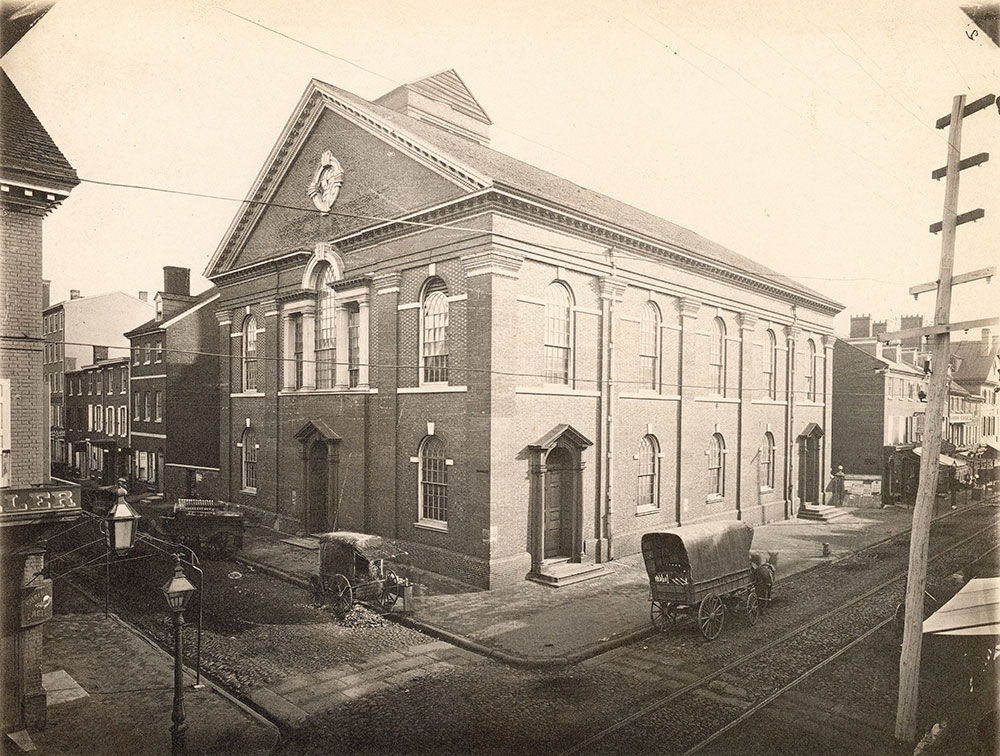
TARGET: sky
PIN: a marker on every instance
(797, 134)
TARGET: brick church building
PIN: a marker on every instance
(511, 374)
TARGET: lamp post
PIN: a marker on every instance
(178, 591)
(120, 526)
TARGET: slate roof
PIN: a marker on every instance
(975, 365)
(26, 149)
(151, 326)
(504, 171)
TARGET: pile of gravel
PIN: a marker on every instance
(361, 616)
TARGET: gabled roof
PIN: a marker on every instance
(154, 325)
(502, 172)
(448, 87)
(27, 152)
(977, 364)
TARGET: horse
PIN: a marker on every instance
(763, 576)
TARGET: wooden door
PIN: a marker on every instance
(558, 503)
(318, 493)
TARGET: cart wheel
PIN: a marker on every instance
(390, 590)
(711, 615)
(752, 606)
(343, 597)
(663, 615)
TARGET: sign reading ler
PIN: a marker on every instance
(14, 501)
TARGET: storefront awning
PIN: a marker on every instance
(974, 610)
(944, 459)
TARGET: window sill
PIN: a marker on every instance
(651, 395)
(714, 498)
(249, 491)
(771, 402)
(313, 392)
(809, 403)
(643, 511)
(247, 394)
(717, 399)
(440, 527)
(557, 390)
(765, 489)
(433, 388)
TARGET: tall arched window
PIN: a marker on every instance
(434, 332)
(649, 346)
(811, 370)
(326, 329)
(717, 357)
(249, 354)
(771, 364)
(433, 480)
(717, 466)
(649, 467)
(767, 461)
(558, 333)
(249, 456)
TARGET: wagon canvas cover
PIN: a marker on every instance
(368, 546)
(711, 550)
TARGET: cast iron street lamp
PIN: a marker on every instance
(178, 591)
(122, 523)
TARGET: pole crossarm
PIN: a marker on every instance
(961, 278)
(972, 215)
(969, 162)
(972, 107)
(934, 330)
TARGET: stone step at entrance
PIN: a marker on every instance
(559, 573)
(821, 512)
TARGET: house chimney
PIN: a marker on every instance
(911, 321)
(861, 326)
(100, 353)
(176, 280)
(46, 292)
(144, 296)
(74, 293)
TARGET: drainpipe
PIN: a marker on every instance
(793, 332)
(611, 289)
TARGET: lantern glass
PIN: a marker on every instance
(178, 590)
(123, 522)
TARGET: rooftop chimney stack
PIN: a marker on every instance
(46, 293)
(861, 326)
(176, 280)
(74, 293)
(144, 296)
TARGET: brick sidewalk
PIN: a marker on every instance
(111, 694)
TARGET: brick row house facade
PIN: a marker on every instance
(35, 177)
(510, 374)
(97, 419)
(175, 393)
(72, 328)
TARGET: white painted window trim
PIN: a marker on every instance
(557, 390)
(433, 388)
(770, 402)
(717, 399)
(146, 377)
(435, 525)
(192, 467)
(244, 394)
(652, 395)
(149, 435)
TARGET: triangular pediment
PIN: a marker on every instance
(316, 429)
(384, 172)
(564, 433)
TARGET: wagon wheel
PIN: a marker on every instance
(390, 590)
(752, 606)
(342, 597)
(711, 615)
(663, 615)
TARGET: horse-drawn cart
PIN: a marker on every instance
(212, 528)
(700, 569)
(351, 568)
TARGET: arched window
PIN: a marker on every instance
(811, 371)
(249, 456)
(249, 355)
(558, 333)
(717, 357)
(434, 332)
(771, 364)
(767, 462)
(717, 466)
(326, 329)
(649, 467)
(649, 346)
(433, 480)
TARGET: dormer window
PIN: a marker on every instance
(159, 309)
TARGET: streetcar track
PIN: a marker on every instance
(758, 652)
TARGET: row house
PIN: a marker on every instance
(97, 419)
(35, 177)
(512, 375)
(175, 392)
(72, 328)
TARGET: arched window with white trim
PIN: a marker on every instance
(434, 350)
(771, 364)
(649, 346)
(249, 353)
(433, 481)
(717, 357)
(558, 333)
(648, 495)
(717, 466)
(326, 328)
(249, 459)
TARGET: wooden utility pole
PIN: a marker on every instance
(939, 337)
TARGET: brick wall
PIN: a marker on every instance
(858, 411)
